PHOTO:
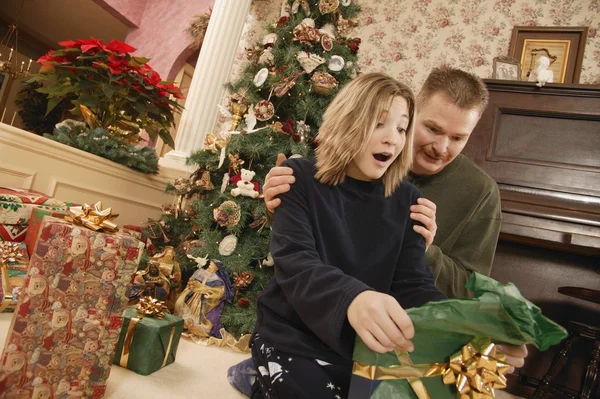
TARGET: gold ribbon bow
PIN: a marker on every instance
(151, 307)
(93, 217)
(213, 143)
(476, 370)
(9, 252)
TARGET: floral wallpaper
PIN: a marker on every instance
(406, 38)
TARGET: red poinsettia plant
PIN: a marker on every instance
(122, 91)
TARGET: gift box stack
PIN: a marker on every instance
(16, 207)
(67, 322)
(455, 352)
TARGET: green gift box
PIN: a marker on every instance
(497, 314)
(147, 344)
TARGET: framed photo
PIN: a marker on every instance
(564, 47)
(506, 68)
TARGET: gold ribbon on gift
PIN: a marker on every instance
(476, 370)
(9, 252)
(146, 307)
(93, 217)
(227, 339)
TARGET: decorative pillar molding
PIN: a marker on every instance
(211, 74)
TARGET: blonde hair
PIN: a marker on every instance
(463, 89)
(348, 124)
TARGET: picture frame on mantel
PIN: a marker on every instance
(506, 68)
(564, 45)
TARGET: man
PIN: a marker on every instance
(466, 221)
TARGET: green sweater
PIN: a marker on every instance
(468, 219)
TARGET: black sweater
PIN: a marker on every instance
(329, 244)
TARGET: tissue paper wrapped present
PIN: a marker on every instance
(454, 354)
(65, 328)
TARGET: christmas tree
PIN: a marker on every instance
(275, 107)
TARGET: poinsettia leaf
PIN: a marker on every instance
(52, 103)
(88, 99)
(166, 137)
(137, 61)
(109, 90)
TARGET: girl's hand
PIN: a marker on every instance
(381, 322)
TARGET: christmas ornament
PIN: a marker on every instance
(242, 280)
(328, 6)
(329, 30)
(260, 77)
(201, 261)
(309, 61)
(228, 245)
(235, 162)
(250, 119)
(344, 26)
(228, 214)
(253, 54)
(264, 110)
(295, 7)
(286, 84)
(353, 44)
(303, 130)
(224, 182)
(308, 21)
(269, 261)
(346, 3)
(336, 63)
(306, 35)
(244, 185)
(213, 143)
(204, 182)
(326, 43)
(269, 40)
(285, 9)
(258, 222)
(243, 303)
(239, 106)
(282, 21)
(323, 83)
(267, 57)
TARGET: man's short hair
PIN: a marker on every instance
(463, 89)
(349, 121)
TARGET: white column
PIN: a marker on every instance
(212, 72)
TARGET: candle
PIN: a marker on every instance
(22, 66)
(29, 65)
(10, 55)
(3, 112)
(13, 118)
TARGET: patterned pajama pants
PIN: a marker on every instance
(284, 376)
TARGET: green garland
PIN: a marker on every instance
(100, 142)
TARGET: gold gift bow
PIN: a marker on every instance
(476, 370)
(93, 217)
(9, 252)
(147, 307)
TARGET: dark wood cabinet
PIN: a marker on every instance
(542, 146)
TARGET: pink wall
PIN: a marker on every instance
(129, 12)
(158, 29)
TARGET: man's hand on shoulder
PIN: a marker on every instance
(424, 212)
(277, 182)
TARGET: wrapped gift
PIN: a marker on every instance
(455, 350)
(14, 262)
(149, 337)
(35, 222)
(16, 206)
(67, 323)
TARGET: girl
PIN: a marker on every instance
(347, 260)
